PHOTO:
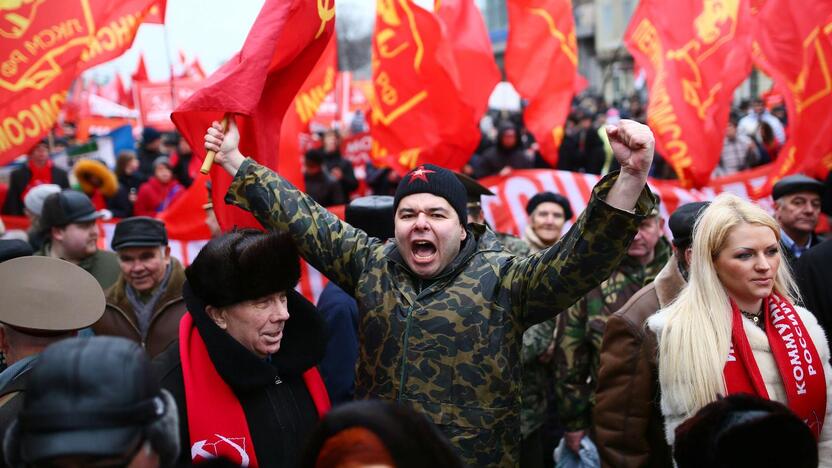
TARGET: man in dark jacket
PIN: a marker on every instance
(38, 170)
(797, 209)
(149, 150)
(443, 309)
(243, 373)
(338, 168)
(814, 277)
(319, 184)
(145, 305)
(508, 153)
(68, 218)
(629, 430)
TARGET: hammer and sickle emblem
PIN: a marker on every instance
(326, 11)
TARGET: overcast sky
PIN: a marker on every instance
(212, 30)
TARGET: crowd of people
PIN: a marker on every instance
(437, 341)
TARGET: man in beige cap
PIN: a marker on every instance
(44, 301)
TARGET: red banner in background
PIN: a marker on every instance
(156, 101)
(46, 44)
(418, 115)
(258, 85)
(542, 64)
(793, 45)
(695, 53)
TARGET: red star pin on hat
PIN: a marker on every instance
(420, 173)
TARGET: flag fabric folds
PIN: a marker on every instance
(542, 63)
(257, 86)
(417, 114)
(46, 45)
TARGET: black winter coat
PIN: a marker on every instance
(277, 405)
(18, 181)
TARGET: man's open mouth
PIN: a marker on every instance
(423, 250)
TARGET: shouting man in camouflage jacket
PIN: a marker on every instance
(443, 308)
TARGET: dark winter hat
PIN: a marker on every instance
(683, 220)
(243, 265)
(372, 214)
(93, 397)
(66, 207)
(550, 197)
(796, 183)
(139, 231)
(429, 178)
(150, 134)
(720, 435)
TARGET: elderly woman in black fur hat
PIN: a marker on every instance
(243, 371)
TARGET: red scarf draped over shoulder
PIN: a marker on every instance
(794, 353)
(216, 422)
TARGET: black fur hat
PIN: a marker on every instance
(745, 431)
(243, 265)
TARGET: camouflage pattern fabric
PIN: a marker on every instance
(580, 331)
(448, 347)
(536, 376)
(513, 244)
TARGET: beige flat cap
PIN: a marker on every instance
(43, 294)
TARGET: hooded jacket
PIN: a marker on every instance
(276, 402)
(448, 347)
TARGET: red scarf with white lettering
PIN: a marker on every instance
(40, 175)
(795, 354)
(217, 424)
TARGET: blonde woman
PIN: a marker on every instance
(736, 329)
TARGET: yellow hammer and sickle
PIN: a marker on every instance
(326, 11)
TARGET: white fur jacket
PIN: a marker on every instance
(674, 415)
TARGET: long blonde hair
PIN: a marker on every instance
(695, 339)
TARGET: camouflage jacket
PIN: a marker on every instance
(448, 347)
(580, 330)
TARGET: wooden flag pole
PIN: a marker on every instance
(209, 158)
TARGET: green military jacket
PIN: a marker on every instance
(580, 331)
(102, 265)
(448, 347)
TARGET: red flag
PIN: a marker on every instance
(157, 13)
(195, 70)
(472, 51)
(185, 218)
(542, 64)
(418, 115)
(141, 70)
(793, 45)
(258, 85)
(694, 54)
(319, 83)
(46, 45)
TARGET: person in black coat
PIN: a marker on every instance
(243, 372)
(149, 150)
(336, 166)
(129, 180)
(508, 153)
(38, 170)
(318, 183)
(814, 279)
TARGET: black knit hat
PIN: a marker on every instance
(683, 220)
(435, 180)
(550, 197)
(243, 265)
